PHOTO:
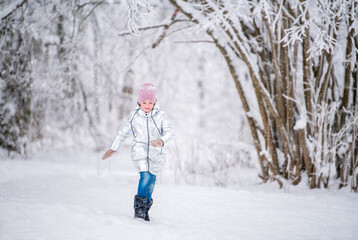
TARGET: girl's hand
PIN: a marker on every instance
(108, 154)
(157, 143)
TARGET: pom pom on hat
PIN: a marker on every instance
(147, 92)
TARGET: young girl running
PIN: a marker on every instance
(151, 130)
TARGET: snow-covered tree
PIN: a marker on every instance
(304, 117)
(15, 81)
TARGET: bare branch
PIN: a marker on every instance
(193, 41)
(165, 26)
(88, 3)
(13, 11)
(92, 10)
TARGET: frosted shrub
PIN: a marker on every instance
(204, 163)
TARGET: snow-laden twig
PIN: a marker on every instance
(278, 15)
(297, 31)
(135, 13)
(323, 42)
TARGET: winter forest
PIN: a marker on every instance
(259, 89)
(281, 73)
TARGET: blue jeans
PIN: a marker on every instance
(146, 185)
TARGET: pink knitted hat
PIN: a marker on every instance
(147, 92)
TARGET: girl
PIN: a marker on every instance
(151, 130)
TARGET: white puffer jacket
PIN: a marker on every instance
(146, 127)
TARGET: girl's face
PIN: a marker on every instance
(147, 105)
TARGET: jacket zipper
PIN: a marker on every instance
(161, 133)
(148, 142)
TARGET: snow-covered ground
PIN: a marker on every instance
(64, 195)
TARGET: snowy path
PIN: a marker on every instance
(53, 197)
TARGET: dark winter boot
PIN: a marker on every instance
(147, 206)
(139, 206)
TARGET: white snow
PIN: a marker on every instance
(300, 124)
(60, 195)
